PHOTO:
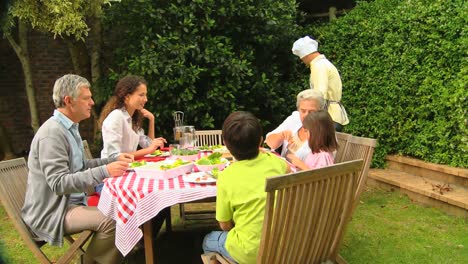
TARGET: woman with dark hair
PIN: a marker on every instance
(320, 132)
(122, 117)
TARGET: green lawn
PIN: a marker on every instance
(386, 228)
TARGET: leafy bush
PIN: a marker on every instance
(405, 73)
(207, 58)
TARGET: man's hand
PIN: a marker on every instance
(117, 168)
(126, 157)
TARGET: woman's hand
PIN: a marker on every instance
(157, 143)
(287, 135)
(147, 114)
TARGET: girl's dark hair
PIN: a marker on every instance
(321, 131)
(127, 85)
(242, 134)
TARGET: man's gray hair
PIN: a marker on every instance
(68, 85)
(310, 94)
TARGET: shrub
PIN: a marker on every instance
(404, 69)
(208, 58)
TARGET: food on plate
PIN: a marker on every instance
(205, 147)
(184, 152)
(214, 173)
(137, 164)
(175, 164)
(202, 178)
(212, 159)
(157, 152)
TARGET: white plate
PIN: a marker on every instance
(163, 154)
(198, 177)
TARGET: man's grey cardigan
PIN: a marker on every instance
(50, 181)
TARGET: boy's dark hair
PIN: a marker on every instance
(242, 134)
(321, 131)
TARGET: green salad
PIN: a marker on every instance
(137, 164)
(177, 163)
(214, 173)
(205, 147)
(212, 159)
(184, 152)
(157, 152)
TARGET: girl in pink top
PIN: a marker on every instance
(321, 139)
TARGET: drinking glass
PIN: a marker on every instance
(174, 148)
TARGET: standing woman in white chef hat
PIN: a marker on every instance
(324, 77)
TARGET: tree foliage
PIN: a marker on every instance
(207, 58)
(405, 73)
(60, 17)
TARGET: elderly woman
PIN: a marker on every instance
(291, 134)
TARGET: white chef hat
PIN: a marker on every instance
(304, 46)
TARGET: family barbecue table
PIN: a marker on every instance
(132, 201)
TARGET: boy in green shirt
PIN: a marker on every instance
(240, 200)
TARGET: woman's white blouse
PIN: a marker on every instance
(118, 135)
(293, 123)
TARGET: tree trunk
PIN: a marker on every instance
(96, 40)
(5, 145)
(79, 56)
(96, 47)
(21, 50)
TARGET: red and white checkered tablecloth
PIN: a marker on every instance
(132, 201)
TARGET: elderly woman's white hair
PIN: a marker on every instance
(310, 94)
(68, 85)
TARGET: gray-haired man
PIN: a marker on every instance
(57, 169)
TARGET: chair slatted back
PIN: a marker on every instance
(13, 182)
(208, 138)
(87, 150)
(204, 138)
(342, 139)
(306, 214)
(360, 148)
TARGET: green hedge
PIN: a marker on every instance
(403, 65)
(405, 73)
(207, 57)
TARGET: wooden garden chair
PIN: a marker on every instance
(306, 215)
(204, 138)
(87, 150)
(360, 148)
(342, 139)
(208, 138)
(13, 182)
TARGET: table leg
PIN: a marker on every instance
(168, 219)
(148, 240)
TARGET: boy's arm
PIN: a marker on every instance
(226, 226)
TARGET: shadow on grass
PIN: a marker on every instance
(182, 245)
(2, 253)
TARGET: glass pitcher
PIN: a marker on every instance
(187, 137)
(178, 133)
